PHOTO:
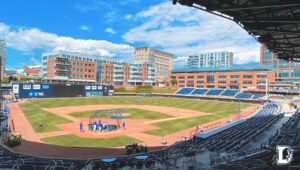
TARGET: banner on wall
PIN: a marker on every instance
(16, 88)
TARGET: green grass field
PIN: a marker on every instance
(74, 141)
(35, 114)
(133, 114)
(172, 126)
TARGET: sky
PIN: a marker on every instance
(112, 29)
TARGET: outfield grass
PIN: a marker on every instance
(133, 114)
(219, 109)
(197, 105)
(74, 141)
(172, 126)
(35, 115)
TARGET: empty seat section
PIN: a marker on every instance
(230, 93)
(214, 92)
(257, 96)
(199, 91)
(185, 90)
(244, 96)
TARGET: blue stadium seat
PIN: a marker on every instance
(257, 96)
(185, 90)
(230, 93)
(199, 91)
(244, 96)
(214, 92)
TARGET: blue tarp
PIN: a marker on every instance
(108, 160)
(141, 157)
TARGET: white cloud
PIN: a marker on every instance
(110, 30)
(85, 28)
(28, 39)
(185, 31)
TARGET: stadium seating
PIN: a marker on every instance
(185, 90)
(230, 93)
(199, 91)
(289, 134)
(244, 96)
(257, 96)
(214, 92)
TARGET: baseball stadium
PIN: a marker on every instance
(233, 118)
(112, 122)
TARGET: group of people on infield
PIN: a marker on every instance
(98, 126)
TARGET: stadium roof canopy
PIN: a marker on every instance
(222, 69)
(274, 23)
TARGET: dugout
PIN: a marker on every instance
(29, 90)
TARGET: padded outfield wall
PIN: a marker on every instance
(29, 90)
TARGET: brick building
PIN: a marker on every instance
(32, 71)
(82, 68)
(233, 78)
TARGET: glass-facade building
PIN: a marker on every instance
(211, 60)
(285, 71)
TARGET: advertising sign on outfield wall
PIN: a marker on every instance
(28, 90)
(15, 88)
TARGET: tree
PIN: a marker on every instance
(174, 82)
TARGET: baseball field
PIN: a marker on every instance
(149, 120)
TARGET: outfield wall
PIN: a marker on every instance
(29, 90)
(218, 98)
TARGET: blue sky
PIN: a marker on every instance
(113, 28)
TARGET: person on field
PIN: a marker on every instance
(99, 126)
(81, 127)
(95, 126)
(124, 125)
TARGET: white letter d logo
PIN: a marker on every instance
(285, 154)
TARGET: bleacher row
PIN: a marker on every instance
(229, 140)
(9, 160)
(289, 133)
(233, 93)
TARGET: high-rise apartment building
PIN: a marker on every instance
(211, 60)
(2, 56)
(285, 71)
(162, 61)
(77, 67)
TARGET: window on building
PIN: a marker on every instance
(261, 76)
(222, 76)
(210, 79)
(200, 77)
(181, 77)
(247, 76)
(247, 82)
(222, 81)
(190, 77)
(234, 76)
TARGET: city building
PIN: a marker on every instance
(2, 56)
(32, 71)
(162, 61)
(119, 73)
(211, 60)
(233, 78)
(285, 71)
(81, 68)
